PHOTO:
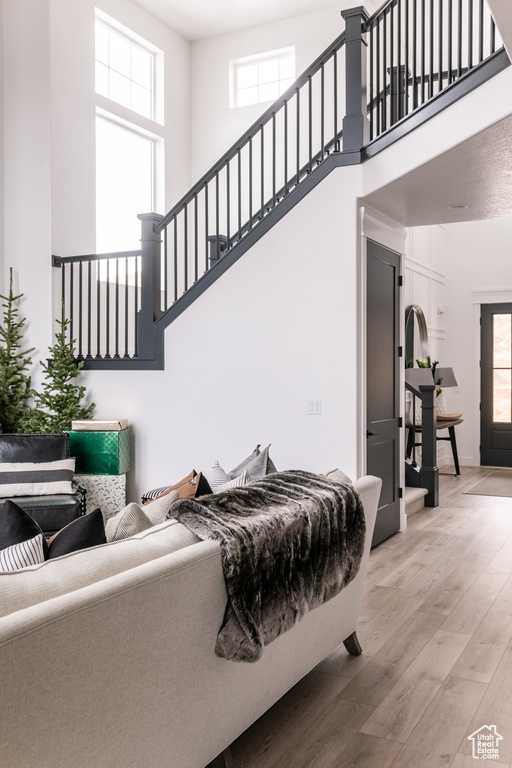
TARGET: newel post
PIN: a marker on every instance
(356, 128)
(151, 299)
(429, 473)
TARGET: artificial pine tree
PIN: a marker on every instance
(14, 363)
(60, 401)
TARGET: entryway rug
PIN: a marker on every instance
(497, 483)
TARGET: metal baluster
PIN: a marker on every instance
(136, 297)
(250, 183)
(80, 308)
(262, 164)
(228, 205)
(98, 309)
(71, 299)
(107, 310)
(310, 123)
(450, 38)
(206, 246)
(440, 45)
(431, 61)
(384, 69)
(239, 195)
(298, 134)
(481, 31)
(285, 148)
(399, 59)
(89, 308)
(273, 160)
(414, 55)
(470, 34)
(335, 85)
(392, 107)
(378, 68)
(322, 112)
(493, 36)
(406, 69)
(116, 322)
(459, 40)
(126, 303)
(166, 258)
(175, 257)
(196, 239)
(423, 51)
(185, 246)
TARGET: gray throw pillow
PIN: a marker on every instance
(244, 464)
(337, 476)
(259, 466)
(157, 510)
(131, 520)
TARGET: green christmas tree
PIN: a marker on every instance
(60, 401)
(14, 364)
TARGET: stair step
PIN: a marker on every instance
(414, 500)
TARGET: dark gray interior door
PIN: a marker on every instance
(496, 385)
(383, 384)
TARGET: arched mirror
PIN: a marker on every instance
(416, 335)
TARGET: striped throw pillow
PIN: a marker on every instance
(216, 476)
(36, 479)
(22, 555)
(242, 479)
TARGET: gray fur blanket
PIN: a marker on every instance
(289, 542)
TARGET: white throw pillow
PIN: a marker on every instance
(130, 521)
(242, 479)
(21, 555)
(157, 510)
(216, 476)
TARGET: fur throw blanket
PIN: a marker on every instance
(289, 542)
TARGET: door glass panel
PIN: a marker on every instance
(502, 341)
(502, 380)
(502, 362)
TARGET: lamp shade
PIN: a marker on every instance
(448, 377)
(419, 377)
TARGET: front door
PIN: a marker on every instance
(496, 386)
(383, 384)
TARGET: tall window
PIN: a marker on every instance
(124, 71)
(128, 137)
(124, 185)
(257, 79)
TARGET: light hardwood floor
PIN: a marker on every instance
(436, 632)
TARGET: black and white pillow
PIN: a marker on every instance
(22, 555)
(36, 479)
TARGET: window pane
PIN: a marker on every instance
(120, 50)
(287, 68)
(120, 89)
(269, 71)
(502, 341)
(502, 400)
(247, 96)
(101, 79)
(247, 76)
(101, 43)
(141, 100)
(141, 67)
(269, 92)
(124, 186)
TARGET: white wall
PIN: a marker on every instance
(279, 328)
(27, 165)
(479, 261)
(424, 281)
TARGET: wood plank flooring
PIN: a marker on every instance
(436, 632)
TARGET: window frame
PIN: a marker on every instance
(259, 59)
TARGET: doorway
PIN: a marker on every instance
(383, 383)
(496, 385)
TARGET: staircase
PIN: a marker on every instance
(381, 78)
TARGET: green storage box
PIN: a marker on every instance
(100, 453)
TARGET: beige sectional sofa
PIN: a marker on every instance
(107, 655)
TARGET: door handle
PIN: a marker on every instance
(369, 433)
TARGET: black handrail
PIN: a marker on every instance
(252, 132)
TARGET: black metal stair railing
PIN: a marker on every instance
(295, 135)
(377, 73)
(417, 48)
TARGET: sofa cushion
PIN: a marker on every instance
(18, 556)
(86, 531)
(127, 522)
(36, 478)
(68, 573)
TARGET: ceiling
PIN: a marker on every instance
(476, 173)
(199, 19)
